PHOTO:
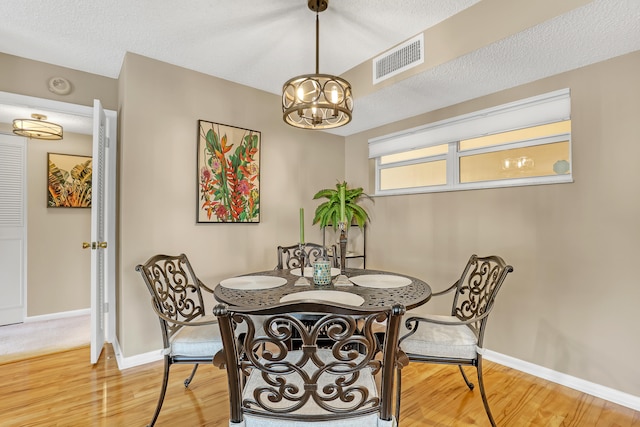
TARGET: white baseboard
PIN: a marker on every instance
(593, 389)
(60, 315)
(133, 361)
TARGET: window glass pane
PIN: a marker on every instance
(415, 154)
(418, 175)
(539, 160)
(517, 135)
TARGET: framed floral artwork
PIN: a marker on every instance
(228, 174)
(69, 181)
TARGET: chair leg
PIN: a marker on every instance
(398, 396)
(466, 380)
(163, 391)
(188, 380)
(482, 392)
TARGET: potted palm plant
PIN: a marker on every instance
(341, 206)
(341, 210)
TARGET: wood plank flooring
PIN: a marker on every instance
(63, 389)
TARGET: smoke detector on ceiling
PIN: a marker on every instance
(59, 86)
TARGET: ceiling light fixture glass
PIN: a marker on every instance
(37, 128)
(317, 101)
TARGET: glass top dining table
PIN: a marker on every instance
(366, 288)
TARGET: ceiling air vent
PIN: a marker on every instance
(400, 58)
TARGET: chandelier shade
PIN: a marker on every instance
(37, 128)
(317, 101)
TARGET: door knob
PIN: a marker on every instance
(94, 245)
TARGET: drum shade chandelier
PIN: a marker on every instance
(317, 101)
(37, 128)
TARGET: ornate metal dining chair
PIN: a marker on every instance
(345, 382)
(189, 335)
(458, 338)
(291, 256)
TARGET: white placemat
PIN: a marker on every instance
(308, 272)
(253, 282)
(346, 298)
(380, 281)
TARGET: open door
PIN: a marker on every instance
(103, 236)
(103, 218)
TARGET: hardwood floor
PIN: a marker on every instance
(63, 389)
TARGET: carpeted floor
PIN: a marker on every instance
(35, 338)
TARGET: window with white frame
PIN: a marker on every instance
(527, 142)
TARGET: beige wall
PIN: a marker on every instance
(571, 303)
(31, 78)
(160, 108)
(58, 270)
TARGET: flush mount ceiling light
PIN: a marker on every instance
(37, 128)
(317, 101)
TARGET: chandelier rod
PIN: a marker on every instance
(317, 38)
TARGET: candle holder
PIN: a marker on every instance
(302, 281)
(343, 246)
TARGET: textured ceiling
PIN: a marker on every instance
(263, 43)
(599, 31)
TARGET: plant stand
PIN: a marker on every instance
(343, 247)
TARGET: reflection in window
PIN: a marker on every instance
(524, 162)
(415, 175)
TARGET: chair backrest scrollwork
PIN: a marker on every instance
(477, 289)
(319, 382)
(291, 256)
(175, 290)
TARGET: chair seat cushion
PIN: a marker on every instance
(372, 420)
(435, 340)
(197, 341)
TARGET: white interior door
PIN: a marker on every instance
(103, 230)
(13, 236)
(99, 243)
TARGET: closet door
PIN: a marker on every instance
(13, 228)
